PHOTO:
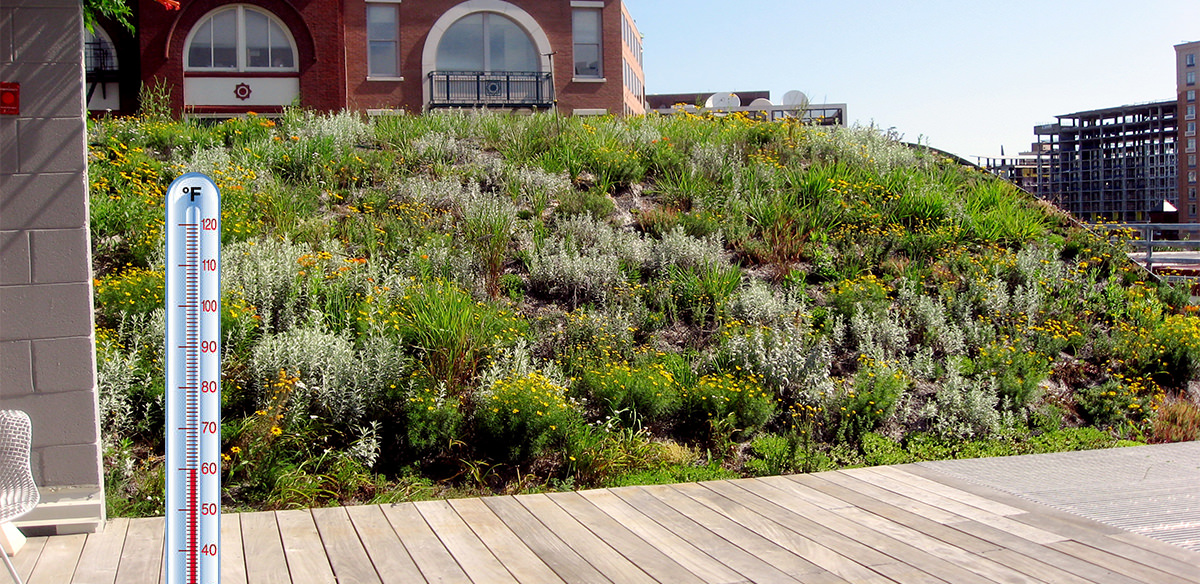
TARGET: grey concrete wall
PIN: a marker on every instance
(47, 349)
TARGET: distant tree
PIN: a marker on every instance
(118, 11)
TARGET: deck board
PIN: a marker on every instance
(347, 556)
(263, 549)
(387, 554)
(233, 557)
(910, 524)
(142, 555)
(102, 554)
(58, 560)
(432, 558)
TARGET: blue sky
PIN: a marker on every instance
(967, 76)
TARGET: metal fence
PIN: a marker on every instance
(501, 89)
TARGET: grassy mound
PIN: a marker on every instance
(464, 303)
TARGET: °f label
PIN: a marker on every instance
(193, 381)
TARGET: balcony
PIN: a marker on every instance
(499, 89)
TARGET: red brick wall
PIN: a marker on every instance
(316, 25)
(331, 42)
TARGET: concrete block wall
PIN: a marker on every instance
(47, 349)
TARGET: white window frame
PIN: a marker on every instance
(598, 9)
(396, 76)
(240, 38)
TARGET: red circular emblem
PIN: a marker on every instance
(242, 91)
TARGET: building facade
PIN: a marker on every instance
(47, 348)
(1185, 84)
(222, 58)
(1116, 163)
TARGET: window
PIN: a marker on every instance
(99, 53)
(1191, 78)
(585, 26)
(1191, 112)
(1191, 128)
(1191, 145)
(1190, 59)
(1191, 176)
(1191, 193)
(1192, 160)
(1191, 95)
(240, 38)
(1192, 210)
(383, 40)
(486, 42)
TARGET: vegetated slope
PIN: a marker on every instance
(474, 302)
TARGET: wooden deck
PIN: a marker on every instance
(877, 525)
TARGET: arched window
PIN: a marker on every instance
(100, 54)
(240, 38)
(487, 42)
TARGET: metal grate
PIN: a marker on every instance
(1151, 490)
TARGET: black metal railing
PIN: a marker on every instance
(499, 89)
(100, 61)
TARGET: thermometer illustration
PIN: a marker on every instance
(193, 381)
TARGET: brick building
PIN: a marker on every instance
(222, 58)
(1185, 84)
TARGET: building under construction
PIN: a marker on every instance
(1115, 163)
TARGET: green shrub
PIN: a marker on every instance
(1018, 371)
(867, 401)
(591, 202)
(433, 421)
(727, 406)
(636, 394)
(518, 418)
(452, 332)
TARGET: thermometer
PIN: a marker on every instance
(193, 381)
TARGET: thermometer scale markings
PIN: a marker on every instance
(193, 374)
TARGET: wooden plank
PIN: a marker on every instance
(789, 494)
(1043, 553)
(472, 555)
(142, 556)
(814, 497)
(346, 554)
(27, 558)
(947, 491)
(233, 557)
(925, 504)
(947, 536)
(263, 549)
(975, 488)
(699, 563)
(383, 546)
(751, 566)
(521, 562)
(102, 554)
(1189, 571)
(933, 506)
(1159, 547)
(798, 522)
(1038, 570)
(552, 550)
(427, 552)
(591, 548)
(303, 548)
(649, 559)
(58, 559)
(769, 527)
(1065, 524)
(1133, 569)
(902, 573)
(980, 567)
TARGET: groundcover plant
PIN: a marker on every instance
(466, 303)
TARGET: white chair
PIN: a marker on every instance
(18, 493)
